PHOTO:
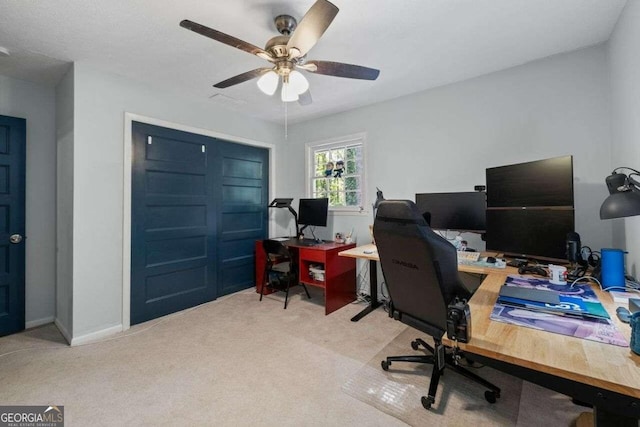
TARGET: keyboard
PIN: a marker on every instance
(468, 257)
(308, 242)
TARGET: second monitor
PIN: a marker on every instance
(313, 212)
(463, 211)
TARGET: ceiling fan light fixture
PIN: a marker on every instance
(268, 83)
(288, 94)
(298, 82)
(287, 52)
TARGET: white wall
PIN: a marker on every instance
(64, 206)
(100, 103)
(624, 69)
(36, 103)
(443, 139)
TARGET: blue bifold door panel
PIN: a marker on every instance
(198, 205)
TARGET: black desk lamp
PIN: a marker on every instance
(624, 195)
(286, 203)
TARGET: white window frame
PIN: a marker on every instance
(312, 147)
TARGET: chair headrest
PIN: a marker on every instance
(404, 211)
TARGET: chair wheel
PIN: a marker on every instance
(415, 345)
(427, 401)
(385, 365)
(490, 396)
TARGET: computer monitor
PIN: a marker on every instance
(530, 208)
(547, 182)
(454, 211)
(313, 212)
(529, 233)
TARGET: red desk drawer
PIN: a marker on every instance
(307, 254)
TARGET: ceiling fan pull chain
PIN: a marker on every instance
(286, 130)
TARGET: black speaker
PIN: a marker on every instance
(574, 248)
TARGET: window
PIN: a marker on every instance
(336, 169)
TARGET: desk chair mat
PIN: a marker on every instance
(458, 400)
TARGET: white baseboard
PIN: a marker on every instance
(63, 330)
(94, 336)
(38, 322)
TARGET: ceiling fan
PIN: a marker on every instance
(287, 54)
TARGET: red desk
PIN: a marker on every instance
(339, 272)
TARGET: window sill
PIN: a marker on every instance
(348, 212)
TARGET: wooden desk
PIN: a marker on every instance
(370, 252)
(604, 375)
(372, 256)
(339, 283)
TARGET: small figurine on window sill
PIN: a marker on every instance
(328, 169)
(339, 169)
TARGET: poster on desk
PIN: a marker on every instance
(600, 329)
(592, 329)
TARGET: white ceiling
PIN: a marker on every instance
(417, 44)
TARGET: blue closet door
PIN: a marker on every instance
(242, 217)
(178, 259)
(12, 224)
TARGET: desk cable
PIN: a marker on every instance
(445, 234)
(629, 288)
(361, 280)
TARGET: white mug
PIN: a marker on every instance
(558, 274)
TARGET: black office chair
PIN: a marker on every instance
(420, 269)
(280, 270)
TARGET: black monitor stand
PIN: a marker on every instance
(301, 234)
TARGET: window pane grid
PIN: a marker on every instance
(340, 182)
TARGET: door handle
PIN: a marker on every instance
(15, 238)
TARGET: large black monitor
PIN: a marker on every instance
(454, 211)
(530, 208)
(546, 182)
(313, 212)
(529, 233)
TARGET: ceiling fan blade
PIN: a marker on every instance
(225, 38)
(314, 23)
(241, 78)
(305, 98)
(340, 69)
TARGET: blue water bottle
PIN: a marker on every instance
(612, 268)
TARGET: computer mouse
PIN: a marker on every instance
(623, 314)
(491, 260)
(532, 269)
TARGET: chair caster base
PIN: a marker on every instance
(491, 396)
(427, 401)
(385, 365)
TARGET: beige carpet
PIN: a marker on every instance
(236, 361)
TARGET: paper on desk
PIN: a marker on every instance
(600, 330)
(623, 297)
